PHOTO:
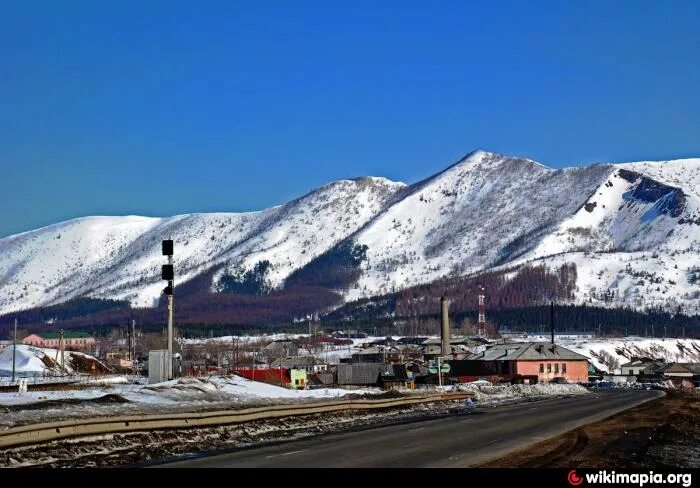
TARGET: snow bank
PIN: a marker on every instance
(236, 388)
(183, 391)
(37, 361)
(500, 393)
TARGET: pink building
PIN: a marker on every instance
(71, 340)
(548, 362)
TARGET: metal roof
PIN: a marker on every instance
(297, 362)
(527, 351)
(362, 373)
(66, 335)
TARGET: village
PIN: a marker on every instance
(352, 359)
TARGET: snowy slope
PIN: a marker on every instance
(37, 361)
(635, 241)
(632, 229)
(484, 210)
(120, 258)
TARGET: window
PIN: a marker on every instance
(563, 367)
(549, 367)
(556, 367)
(541, 367)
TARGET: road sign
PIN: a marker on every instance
(432, 369)
(445, 368)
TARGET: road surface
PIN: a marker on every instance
(452, 441)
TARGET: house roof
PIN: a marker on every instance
(453, 340)
(527, 351)
(683, 367)
(639, 362)
(296, 362)
(362, 373)
(66, 335)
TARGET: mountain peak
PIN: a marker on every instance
(491, 158)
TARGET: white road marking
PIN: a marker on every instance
(419, 428)
(293, 452)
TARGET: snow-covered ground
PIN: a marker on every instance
(495, 394)
(182, 392)
(31, 361)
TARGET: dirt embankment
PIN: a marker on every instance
(662, 433)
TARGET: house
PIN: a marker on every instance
(119, 359)
(279, 349)
(71, 340)
(461, 346)
(299, 380)
(363, 375)
(377, 354)
(638, 366)
(685, 375)
(542, 360)
(309, 364)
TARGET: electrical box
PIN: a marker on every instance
(157, 366)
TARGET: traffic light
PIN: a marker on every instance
(168, 290)
(167, 272)
(168, 247)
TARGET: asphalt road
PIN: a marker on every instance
(453, 441)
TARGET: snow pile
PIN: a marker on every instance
(183, 391)
(499, 393)
(234, 388)
(37, 361)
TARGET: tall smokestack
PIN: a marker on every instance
(445, 326)
(551, 319)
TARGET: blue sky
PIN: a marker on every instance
(158, 108)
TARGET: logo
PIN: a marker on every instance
(573, 478)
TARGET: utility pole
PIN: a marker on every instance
(551, 319)
(133, 340)
(61, 346)
(439, 372)
(14, 353)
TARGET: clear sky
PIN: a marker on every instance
(158, 108)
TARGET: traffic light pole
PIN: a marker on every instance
(170, 325)
(168, 274)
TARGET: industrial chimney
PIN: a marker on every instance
(551, 319)
(445, 326)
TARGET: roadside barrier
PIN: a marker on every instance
(46, 432)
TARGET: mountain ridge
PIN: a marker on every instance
(485, 211)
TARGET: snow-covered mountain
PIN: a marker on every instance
(632, 229)
(120, 257)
